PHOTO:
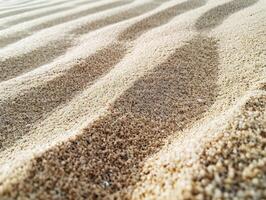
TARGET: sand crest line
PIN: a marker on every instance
(77, 74)
(136, 86)
(23, 10)
(9, 38)
(64, 43)
(29, 16)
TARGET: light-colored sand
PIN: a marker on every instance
(144, 99)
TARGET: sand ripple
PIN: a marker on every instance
(144, 99)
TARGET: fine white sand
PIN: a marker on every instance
(133, 99)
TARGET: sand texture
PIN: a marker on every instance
(133, 99)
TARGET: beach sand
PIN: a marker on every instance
(133, 99)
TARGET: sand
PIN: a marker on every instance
(133, 99)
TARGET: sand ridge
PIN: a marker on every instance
(114, 116)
